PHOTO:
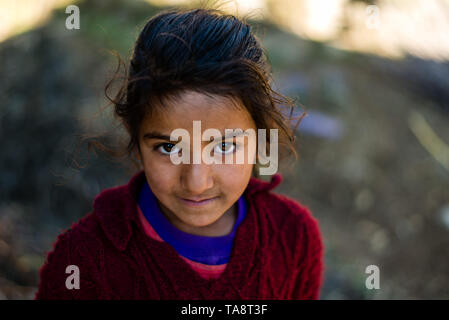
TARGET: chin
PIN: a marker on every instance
(200, 223)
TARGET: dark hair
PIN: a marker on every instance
(203, 50)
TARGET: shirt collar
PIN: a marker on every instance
(115, 208)
(204, 249)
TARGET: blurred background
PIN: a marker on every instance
(373, 77)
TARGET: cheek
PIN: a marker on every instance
(235, 177)
(161, 175)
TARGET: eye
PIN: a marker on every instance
(225, 147)
(167, 148)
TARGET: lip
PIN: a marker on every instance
(198, 203)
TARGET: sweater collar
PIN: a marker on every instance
(115, 208)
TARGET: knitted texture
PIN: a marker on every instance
(204, 270)
(277, 253)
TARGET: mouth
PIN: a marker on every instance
(198, 202)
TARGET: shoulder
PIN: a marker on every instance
(71, 244)
(83, 228)
(286, 219)
(284, 213)
(87, 242)
(299, 231)
(280, 207)
(290, 215)
(285, 206)
(108, 224)
(66, 256)
(86, 233)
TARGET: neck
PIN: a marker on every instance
(222, 227)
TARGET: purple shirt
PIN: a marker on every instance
(206, 250)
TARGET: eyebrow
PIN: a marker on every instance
(157, 135)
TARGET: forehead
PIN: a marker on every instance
(213, 111)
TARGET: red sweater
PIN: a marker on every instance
(277, 254)
(206, 271)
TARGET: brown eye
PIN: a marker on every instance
(167, 148)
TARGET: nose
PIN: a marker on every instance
(196, 178)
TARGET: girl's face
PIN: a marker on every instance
(197, 198)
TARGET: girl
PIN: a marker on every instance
(192, 230)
